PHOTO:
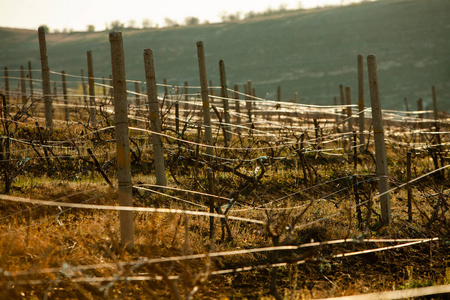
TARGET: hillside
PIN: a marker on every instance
(311, 52)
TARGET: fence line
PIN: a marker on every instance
(127, 208)
(402, 294)
(146, 261)
(411, 145)
(260, 100)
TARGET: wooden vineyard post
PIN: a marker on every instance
(66, 100)
(30, 78)
(247, 107)
(166, 90)
(248, 102)
(408, 185)
(23, 86)
(122, 139)
(406, 107)
(17, 94)
(104, 87)
(226, 109)
(205, 98)
(336, 115)
(420, 115)
(155, 120)
(186, 99)
(435, 110)
(348, 101)
(166, 93)
(342, 93)
(177, 113)
(316, 131)
(362, 136)
(137, 101)
(6, 105)
(84, 89)
(420, 108)
(254, 97)
(436, 116)
(137, 98)
(437, 138)
(211, 92)
(279, 104)
(55, 90)
(237, 106)
(45, 79)
(380, 146)
(92, 105)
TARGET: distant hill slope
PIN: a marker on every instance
(311, 52)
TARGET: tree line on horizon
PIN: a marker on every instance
(188, 21)
(168, 22)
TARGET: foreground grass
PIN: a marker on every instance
(37, 238)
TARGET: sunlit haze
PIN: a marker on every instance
(77, 15)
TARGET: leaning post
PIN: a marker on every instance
(122, 139)
(205, 98)
(226, 109)
(155, 119)
(380, 146)
(362, 136)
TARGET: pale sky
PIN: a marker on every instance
(77, 14)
